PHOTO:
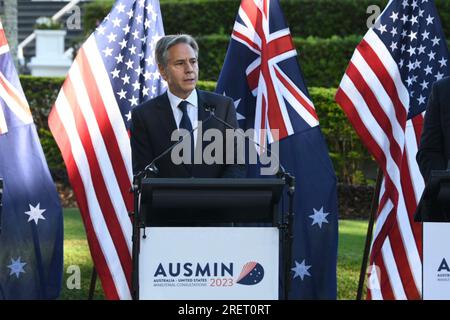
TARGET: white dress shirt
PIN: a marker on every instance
(192, 110)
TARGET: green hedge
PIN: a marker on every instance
(94, 12)
(346, 151)
(323, 55)
(319, 18)
(323, 61)
(41, 93)
(348, 154)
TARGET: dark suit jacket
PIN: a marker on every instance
(152, 126)
(434, 149)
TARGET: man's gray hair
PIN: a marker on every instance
(165, 43)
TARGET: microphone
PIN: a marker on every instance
(211, 109)
(152, 168)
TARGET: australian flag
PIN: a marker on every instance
(262, 75)
(31, 223)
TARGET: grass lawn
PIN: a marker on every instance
(352, 237)
(76, 253)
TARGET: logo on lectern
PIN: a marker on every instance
(443, 271)
(443, 266)
(252, 273)
(201, 274)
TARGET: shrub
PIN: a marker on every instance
(94, 13)
(41, 93)
(318, 18)
(348, 154)
(45, 23)
(323, 61)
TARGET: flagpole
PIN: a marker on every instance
(289, 234)
(373, 209)
(93, 284)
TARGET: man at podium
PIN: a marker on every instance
(182, 106)
(434, 151)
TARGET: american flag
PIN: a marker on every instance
(384, 93)
(113, 72)
(262, 75)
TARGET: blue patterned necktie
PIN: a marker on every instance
(185, 123)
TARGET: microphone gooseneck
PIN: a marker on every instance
(211, 109)
(152, 168)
